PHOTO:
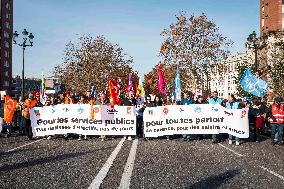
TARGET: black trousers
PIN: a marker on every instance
(139, 126)
(256, 134)
(28, 128)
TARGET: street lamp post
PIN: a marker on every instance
(23, 44)
(256, 44)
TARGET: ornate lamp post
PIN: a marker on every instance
(26, 35)
(256, 44)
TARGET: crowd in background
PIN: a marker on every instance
(263, 117)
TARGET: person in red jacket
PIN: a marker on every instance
(277, 120)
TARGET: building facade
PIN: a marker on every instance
(226, 83)
(6, 35)
(271, 16)
(31, 84)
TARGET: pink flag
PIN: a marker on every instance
(162, 81)
(130, 85)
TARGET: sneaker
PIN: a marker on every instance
(79, 138)
(85, 137)
(280, 143)
(48, 138)
(102, 139)
(129, 138)
(124, 137)
(272, 143)
(237, 143)
(230, 142)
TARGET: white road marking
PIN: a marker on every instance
(240, 155)
(126, 176)
(273, 173)
(104, 170)
(23, 145)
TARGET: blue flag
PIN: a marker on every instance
(177, 87)
(252, 84)
(92, 93)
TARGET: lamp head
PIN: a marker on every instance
(25, 33)
(15, 36)
(31, 37)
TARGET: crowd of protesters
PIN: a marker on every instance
(262, 116)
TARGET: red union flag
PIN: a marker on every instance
(114, 91)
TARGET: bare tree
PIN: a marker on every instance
(94, 60)
(196, 44)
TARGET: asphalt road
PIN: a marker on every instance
(156, 163)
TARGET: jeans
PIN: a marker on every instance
(139, 126)
(231, 138)
(20, 124)
(279, 129)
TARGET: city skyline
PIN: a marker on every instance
(135, 26)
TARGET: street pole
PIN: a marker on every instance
(23, 44)
(255, 58)
(23, 75)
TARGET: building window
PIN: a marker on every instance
(8, 16)
(6, 73)
(7, 44)
(6, 83)
(8, 6)
(6, 34)
(14, 81)
(6, 54)
(8, 25)
(6, 63)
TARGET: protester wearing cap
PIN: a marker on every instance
(276, 115)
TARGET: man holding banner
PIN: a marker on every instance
(215, 100)
(187, 100)
(233, 104)
(277, 120)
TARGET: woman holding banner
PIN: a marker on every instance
(82, 101)
(102, 101)
(233, 104)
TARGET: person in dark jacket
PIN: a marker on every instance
(129, 101)
(158, 101)
(187, 100)
(258, 117)
(148, 102)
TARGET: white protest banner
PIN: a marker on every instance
(76, 118)
(195, 119)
